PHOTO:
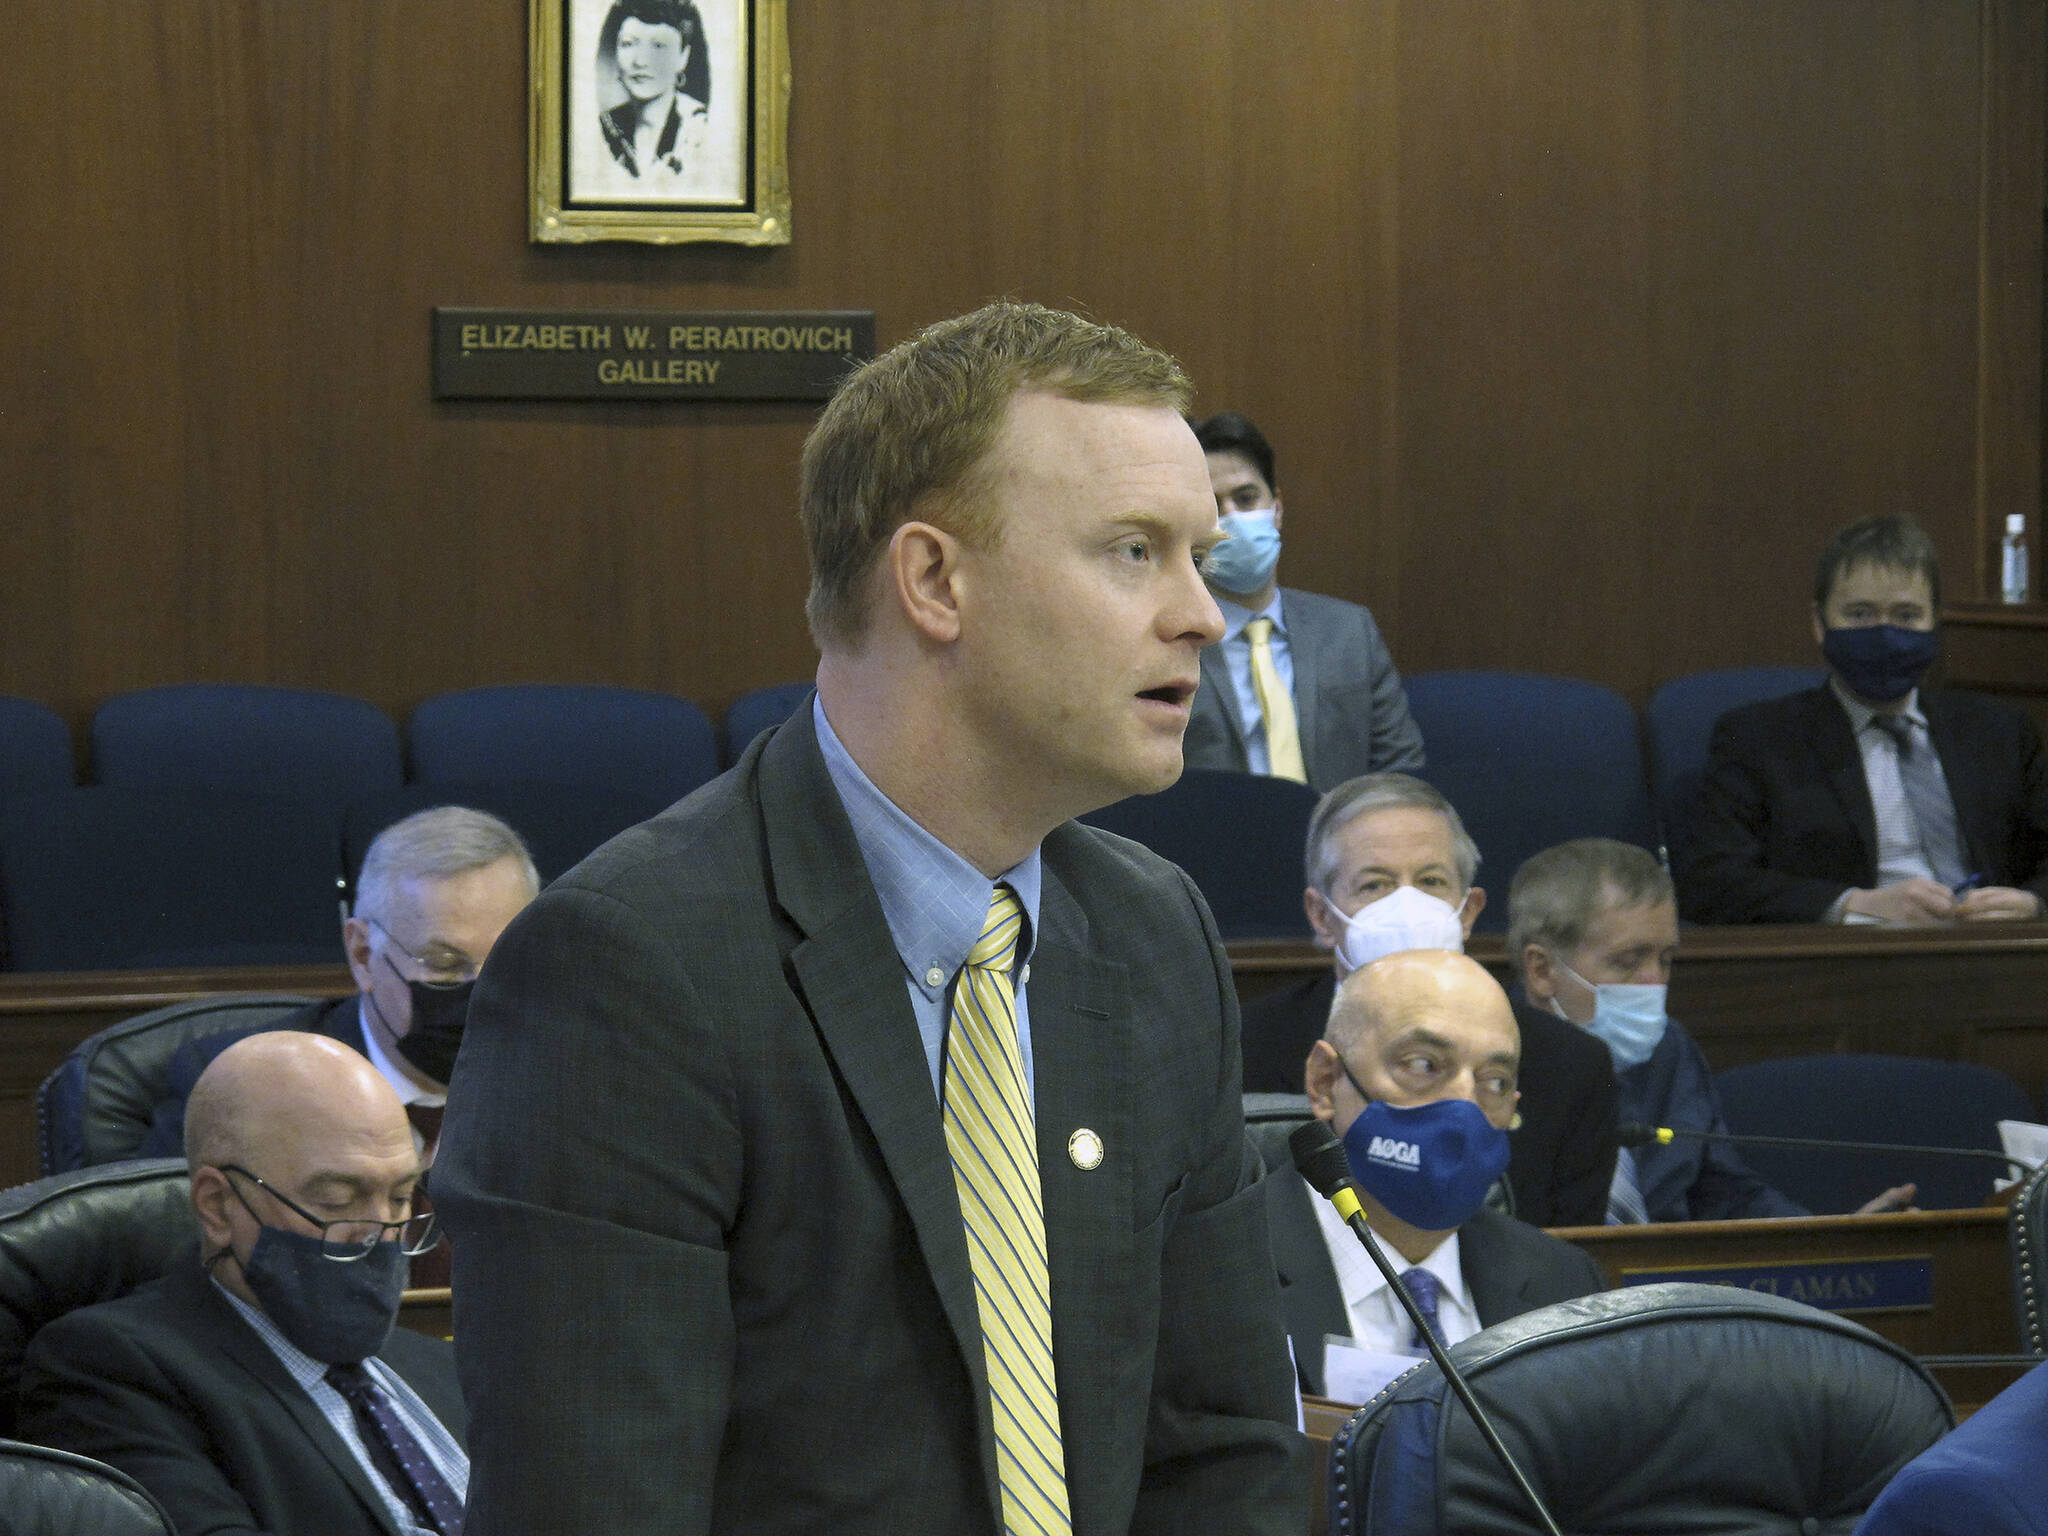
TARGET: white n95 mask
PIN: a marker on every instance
(1404, 918)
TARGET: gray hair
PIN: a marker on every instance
(436, 844)
(1380, 792)
(1557, 894)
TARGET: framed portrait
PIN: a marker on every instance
(659, 120)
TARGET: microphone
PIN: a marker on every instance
(1632, 1134)
(1319, 1158)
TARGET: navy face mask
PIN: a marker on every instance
(336, 1312)
(1430, 1165)
(1880, 662)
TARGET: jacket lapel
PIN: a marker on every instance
(1965, 788)
(1222, 693)
(239, 1342)
(1309, 1293)
(851, 981)
(1498, 1284)
(1833, 744)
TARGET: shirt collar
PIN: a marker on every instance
(1861, 714)
(1236, 615)
(934, 900)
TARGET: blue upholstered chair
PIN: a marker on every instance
(1849, 1096)
(107, 878)
(35, 749)
(1680, 723)
(1238, 835)
(1530, 761)
(646, 750)
(324, 749)
(752, 713)
(560, 823)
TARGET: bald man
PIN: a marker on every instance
(1416, 1072)
(261, 1386)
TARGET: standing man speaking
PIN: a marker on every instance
(857, 1146)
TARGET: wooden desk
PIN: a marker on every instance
(1748, 994)
(430, 1311)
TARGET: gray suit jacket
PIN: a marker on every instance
(712, 1269)
(1510, 1268)
(1348, 702)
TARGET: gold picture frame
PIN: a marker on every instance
(637, 131)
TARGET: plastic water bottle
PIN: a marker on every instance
(2012, 565)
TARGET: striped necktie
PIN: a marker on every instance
(1927, 796)
(1276, 706)
(991, 1134)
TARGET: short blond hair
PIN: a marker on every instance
(905, 434)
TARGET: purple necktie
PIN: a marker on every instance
(1427, 1291)
(398, 1452)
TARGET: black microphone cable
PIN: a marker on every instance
(1319, 1157)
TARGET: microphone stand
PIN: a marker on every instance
(1312, 1145)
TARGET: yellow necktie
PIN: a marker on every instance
(990, 1132)
(1276, 706)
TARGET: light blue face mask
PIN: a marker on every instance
(1628, 1017)
(1244, 561)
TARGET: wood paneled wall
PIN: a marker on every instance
(1576, 325)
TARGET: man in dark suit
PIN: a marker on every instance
(435, 891)
(1418, 1027)
(857, 1146)
(1299, 685)
(230, 1388)
(1870, 799)
(1390, 867)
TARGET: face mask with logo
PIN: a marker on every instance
(336, 1312)
(1404, 918)
(1880, 662)
(1628, 1017)
(1430, 1165)
(1244, 561)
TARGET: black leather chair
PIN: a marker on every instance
(96, 1107)
(54, 1493)
(1656, 1409)
(1269, 1119)
(84, 1237)
(2027, 1228)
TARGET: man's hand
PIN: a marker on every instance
(1999, 904)
(1897, 1198)
(1907, 902)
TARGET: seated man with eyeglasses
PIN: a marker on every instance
(262, 1386)
(436, 890)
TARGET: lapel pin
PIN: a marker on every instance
(1085, 1148)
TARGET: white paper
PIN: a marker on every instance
(2025, 1141)
(1355, 1375)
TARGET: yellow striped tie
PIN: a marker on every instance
(990, 1133)
(1283, 735)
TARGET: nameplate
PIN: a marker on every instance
(646, 354)
(1848, 1285)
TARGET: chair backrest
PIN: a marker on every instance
(84, 1237)
(1530, 761)
(1238, 835)
(107, 878)
(752, 713)
(97, 1106)
(54, 1493)
(35, 749)
(645, 749)
(325, 749)
(1910, 1100)
(1269, 1119)
(559, 823)
(1680, 723)
(1656, 1409)
(2026, 1228)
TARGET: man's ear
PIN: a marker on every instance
(923, 565)
(1475, 903)
(1820, 627)
(1279, 515)
(211, 1198)
(1539, 973)
(355, 943)
(1319, 1079)
(1319, 919)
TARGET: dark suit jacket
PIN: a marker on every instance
(700, 1193)
(171, 1386)
(1510, 1268)
(338, 1018)
(1560, 1159)
(1349, 707)
(1785, 823)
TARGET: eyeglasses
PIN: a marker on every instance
(351, 1238)
(442, 974)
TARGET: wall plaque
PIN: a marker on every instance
(646, 354)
